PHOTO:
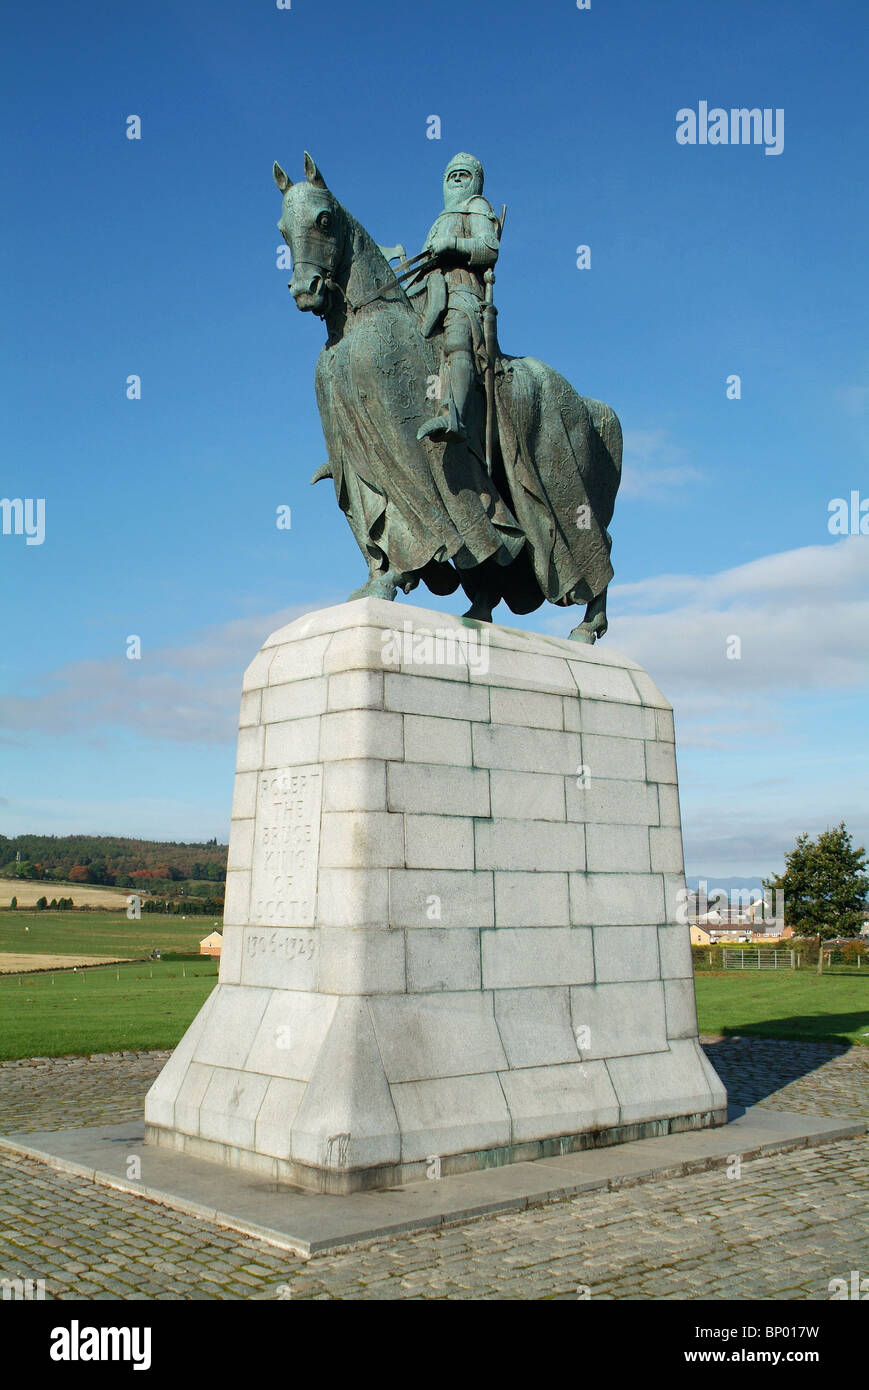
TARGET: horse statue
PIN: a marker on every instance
(518, 510)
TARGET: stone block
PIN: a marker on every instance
(660, 762)
(232, 1025)
(668, 805)
(614, 849)
(648, 691)
(251, 741)
(355, 690)
(298, 661)
(674, 945)
(608, 758)
(361, 840)
(294, 742)
(530, 708)
(295, 700)
(530, 844)
(553, 1100)
(598, 899)
(236, 904)
(443, 958)
(516, 957)
(432, 841)
(448, 699)
(244, 795)
(435, 1035)
(353, 897)
(228, 1110)
(600, 682)
(535, 1027)
(276, 1115)
(346, 1118)
(354, 784)
(525, 750)
(190, 1097)
(446, 898)
(681, 1008)
(431, 789)
(625, 953)
(361, 733)
(527, 795)
(531, 899)
(623, 1020)
(673, 1082)
(436, 740)
(611, 802)
(231, 954)
(291, 1034)
(616, 719)
(362, 961)
(251, 706)
(527, 671)
(666, 849)
(455, 1114)
(280, 957)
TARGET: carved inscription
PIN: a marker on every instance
(286, 850)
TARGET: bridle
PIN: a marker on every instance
(313, 240)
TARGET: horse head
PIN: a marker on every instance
(315, 227)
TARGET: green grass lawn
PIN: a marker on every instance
(102, 1009)
(101, 933)
(797, 1004)
(152, 1005)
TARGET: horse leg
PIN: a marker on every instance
(384, 583)
(483, 589)
(594, 624)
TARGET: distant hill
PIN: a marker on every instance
(749, 883)
(110, 860)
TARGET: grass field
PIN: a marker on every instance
(151, 1006)
(100, 933)
(103, 1009)
(797, 1004)
(29, 891)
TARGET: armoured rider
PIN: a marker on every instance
(463, 244)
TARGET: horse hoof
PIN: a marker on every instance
(589, 631)
(479, 612)
(375, 588)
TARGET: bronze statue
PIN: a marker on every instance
(504, 481)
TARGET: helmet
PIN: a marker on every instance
(473, 167)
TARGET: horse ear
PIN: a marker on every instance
(312, 173)
(281, 179)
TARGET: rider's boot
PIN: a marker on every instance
(450, 424)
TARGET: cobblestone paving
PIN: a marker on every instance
(783, 1229)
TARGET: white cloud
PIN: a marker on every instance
(187, 693)
(653, 463)
(801, 616)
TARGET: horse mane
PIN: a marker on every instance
(364, 247)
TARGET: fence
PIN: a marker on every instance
(759, 958)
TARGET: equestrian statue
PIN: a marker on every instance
(454, 463)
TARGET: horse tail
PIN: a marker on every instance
(606, 455)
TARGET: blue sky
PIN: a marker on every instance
(158, 257)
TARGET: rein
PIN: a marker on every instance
(402, 272)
